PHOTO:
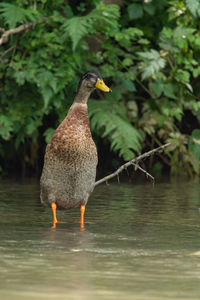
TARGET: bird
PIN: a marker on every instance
(70, 160)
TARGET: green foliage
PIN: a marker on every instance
(194, 143)
(48, 134)
(168, 89)
(152, 66)
(151, 63)
(6, 127)
(109, 119)
(194, 7)
(13, 14)
(135, 11)
(78, 27)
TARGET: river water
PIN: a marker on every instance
(141, 242)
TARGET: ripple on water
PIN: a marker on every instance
(141, 243)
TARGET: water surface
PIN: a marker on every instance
(141, 243)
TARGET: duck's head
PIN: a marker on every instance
(92, 80)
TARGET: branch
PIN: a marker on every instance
(144, 171)
(132, 162)
(7, 33)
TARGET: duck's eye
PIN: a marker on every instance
(88, 76)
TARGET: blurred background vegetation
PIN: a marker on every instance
(147, 51)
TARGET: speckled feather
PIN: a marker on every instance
(70, 161)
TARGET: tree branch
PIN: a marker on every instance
(144, 171)
(132, 162)
(7, 33)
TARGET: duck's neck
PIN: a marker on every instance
(82, 96)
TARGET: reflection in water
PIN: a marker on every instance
(141, 243)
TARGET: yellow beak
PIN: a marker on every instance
(101, 86)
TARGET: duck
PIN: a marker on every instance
(70, 160)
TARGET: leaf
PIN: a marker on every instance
(128, 85)
(143, 42)
(69, 11)
(167, 43)
(13, 14)
(124, 138)
(169, 90)
(150, 55)
(105, 14)
(76, 28)
(196, 72)
(157, 88)
(135, 11)
(47, 95)
(190, 88)
(181, 32)
(30, 127)
(149, 8)
(193, 6)
(194, 143)
(48, 134)
(126, 36)
(182, 76)
(151, 63)
(6, 127)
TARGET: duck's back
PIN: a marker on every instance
(70, 161)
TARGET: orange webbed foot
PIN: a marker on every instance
(53, 207)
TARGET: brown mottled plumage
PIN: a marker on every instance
(70, 161)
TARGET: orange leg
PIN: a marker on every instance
(82, 209)
(53, 206)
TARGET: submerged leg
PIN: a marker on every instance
(53, 206)
(82, 209)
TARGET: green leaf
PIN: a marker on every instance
(128, 85)
(151, 63)
(127, 62)
(182, 76)
(135, 11)
(30, 127)
(13, 14)
(47, 95)
(149, 8)
(143, 42)
(157, 88)
(168, 32)
(193, 6)
(169, 90)
(182, 32)
(190, 88)
(6, 127)
(110, 121)
(76, 28)
(48, 134)
(196, 72)
(194, 143)
(126, 36)
(166, 42)
(69, 11)
(125, 138)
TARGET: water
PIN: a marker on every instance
(141, 243)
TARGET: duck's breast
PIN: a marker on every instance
(70, 163)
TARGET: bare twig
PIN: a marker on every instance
(132, 162)
(144, 171)
(7, 33)
(5, 52)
